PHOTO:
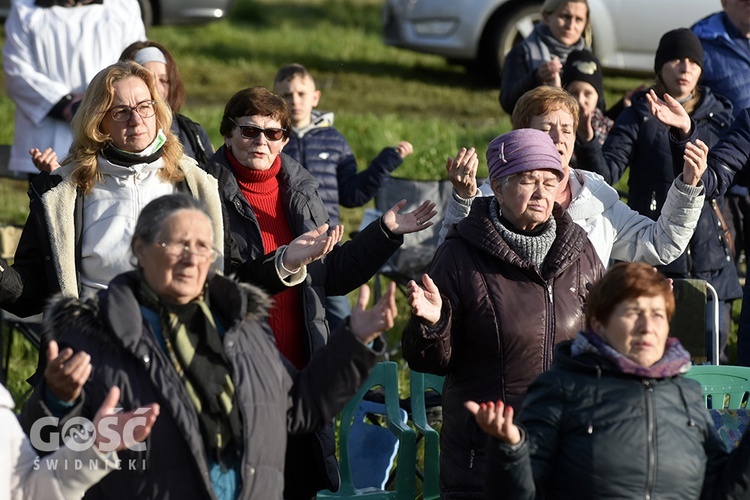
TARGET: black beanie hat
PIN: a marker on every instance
(583, 66)
(678, 44)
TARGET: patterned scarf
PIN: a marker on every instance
(195, 348)
(676, 359)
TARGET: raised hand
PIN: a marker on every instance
(695, 165)
(44, 161)
(311, 246)
(496, 420)
(410, 222)
(669, 112)
(66, 373)
(368, 324)
(123, 429)
(549, 72)
(462, 172)
(425, 301)
(585, 132)
(404, 149)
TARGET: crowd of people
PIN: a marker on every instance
(204, 290)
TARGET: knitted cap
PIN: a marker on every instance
(583, 66)
(678, 44)
(523, 150)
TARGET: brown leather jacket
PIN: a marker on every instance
(501, 319)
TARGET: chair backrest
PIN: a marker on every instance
(415, 255)
(421, 384)
(724, 387)
(689, 320)
(385, 375)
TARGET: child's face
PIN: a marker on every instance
(585, 93)
(301, 96)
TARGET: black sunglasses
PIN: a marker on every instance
(253, 132)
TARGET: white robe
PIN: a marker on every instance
(52, 52)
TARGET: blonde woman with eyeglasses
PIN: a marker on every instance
(82, 215)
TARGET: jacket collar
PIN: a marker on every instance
(477, 230)
(118, 307)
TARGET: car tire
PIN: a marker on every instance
(147, 12)
(506, 28)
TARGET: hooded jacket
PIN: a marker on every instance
(326, 154)
(274, 398)
(591, 431)
(501, 318)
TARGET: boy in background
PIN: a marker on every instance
(326, 154)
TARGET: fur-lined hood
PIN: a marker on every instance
(116, 308)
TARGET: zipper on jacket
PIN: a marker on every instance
(549, 335)
(652, 205)
(471, 459)
(650, 435)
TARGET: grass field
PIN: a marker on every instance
(380, 94)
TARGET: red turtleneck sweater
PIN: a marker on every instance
(261, 190)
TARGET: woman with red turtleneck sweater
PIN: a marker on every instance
(270, 199)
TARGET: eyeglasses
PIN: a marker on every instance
(179, 250)
(121, 114)
(253, 132)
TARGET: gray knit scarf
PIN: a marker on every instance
(542, 46)
(531, 248)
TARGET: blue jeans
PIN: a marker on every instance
(337, 310)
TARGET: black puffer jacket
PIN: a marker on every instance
(501, 320)
(593, 432)
(275, 398)
(326, 154)
(640, 141)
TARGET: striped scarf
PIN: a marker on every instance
(195, 348)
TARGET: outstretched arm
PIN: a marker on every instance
(496, 419)
(357, 188)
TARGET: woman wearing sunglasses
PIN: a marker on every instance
(270, 199)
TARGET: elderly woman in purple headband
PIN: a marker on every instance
(509, 282)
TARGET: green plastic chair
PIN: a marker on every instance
(385, 375)
(420, 383)
(724, 386)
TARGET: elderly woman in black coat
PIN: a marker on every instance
(199, 344)
(614, 417)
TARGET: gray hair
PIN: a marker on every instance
(151, 220)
